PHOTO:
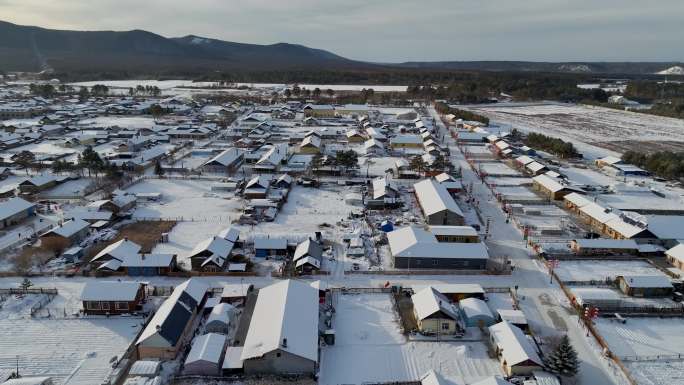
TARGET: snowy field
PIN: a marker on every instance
(587, 176)
(643, 337)
(369, 347)
(592, 125)
(71, 351)
(73, 188)
(595, 270)
(186, 200)
(662, 372)
(306, 209)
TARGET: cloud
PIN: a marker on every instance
(394, 30)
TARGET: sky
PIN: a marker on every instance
(394, 30)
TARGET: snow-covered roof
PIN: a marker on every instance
(234, 290)
(285, 317)
(549, 183)
(601, 243)
(146, 368)
(514, 316)
(226, 157)
(230, 234)
(611, 160)
(219, 248)
(676, 252)
(454, 288)
(524, 160)
(647, 281)
(269, 243)
(382, 186)
(475, 307)
(69, 228)
(208, 348)
(232, 358)
(414, 242)
(308, 248)
(110, 291)
(13, 206)
(468, 231)
(119, 250)
(434, 198)
(29, 381)
(515, 347)
(221, 313)
(429, 301)
(576, 199)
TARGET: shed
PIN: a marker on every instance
(515, 351)
(476, 312)
(232, 363)
(220, 318)
(645, 285)
(206, 356)
(145, 368)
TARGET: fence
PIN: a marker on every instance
(35, 290)
(659, 357)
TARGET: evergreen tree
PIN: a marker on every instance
(25, 284)
(563, 360)
(158, 169)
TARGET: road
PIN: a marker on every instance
(539, 297)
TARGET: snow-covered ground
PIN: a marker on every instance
(595, 270)
(643, 337)
(71, 351)
(133, 122)
(186, 200)
(370, 347)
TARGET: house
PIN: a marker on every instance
(310, 145)
(434, 313)
(437, 204)
(228, 161)
(206, 355)
(675, 256)
(405, 141)
(413, 247)
(117, 251)
(284, 181)
(236, 293)
(270, 247)
(230, 234)
(476, 313)
(374, 146)
(307, 256)
(271, 160)
(608, 161)
(220, 318)
(354, 136)
(283, 334)
(457, 234)
(319, 110)
(452, 185)
(385, 194)
(119, 203)
(124, 256)
(516, 353)
(37, 184)
(601, 246)
(645, 285)
(112, 297)
(552, 188)
(170, 327)
(15, 210)
(257, 187)
(211, 254)
(63, 236)
(457, 291)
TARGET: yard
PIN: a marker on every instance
(369, 347)
(599, 270)
(145, 233)
(71, 351)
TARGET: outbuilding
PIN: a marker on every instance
(206, 356)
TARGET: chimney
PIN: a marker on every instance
(284, 342)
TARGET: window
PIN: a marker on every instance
(105, 305)
(121, 305)
(93, 305)
(278, 354)
(445, 326)
(435, 262)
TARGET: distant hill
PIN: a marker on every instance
(139, 53)
(24, 48)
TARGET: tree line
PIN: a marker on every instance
(553, 145)
(445, 109)
(665, 164)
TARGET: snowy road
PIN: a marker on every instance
(539, 298)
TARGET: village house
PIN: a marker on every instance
(552, 188)
(437, 204)
(675, 256)
(457, 234)
(220, 319)
(435, 314)
(67, 234)
(257, 187)
(236, 293)
(307, 257)
(112, 297)
(226, 162)
(171, 326)
(211, 255)
(476, 313)
(265, 247)
(311, 144)
(319, 110)
(516, 353)
(415, 248)
(645, 285)
(14, 211)
(406, 141)
(283, 334)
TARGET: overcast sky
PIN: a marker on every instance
(395, 30)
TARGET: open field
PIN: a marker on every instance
(597, 270)
(613, 129)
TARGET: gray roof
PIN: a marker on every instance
(434, 198)
(110, 291)
(13, 206)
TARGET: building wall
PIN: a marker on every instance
(444, 217)
(279, 362)
(440, 263)
(434, 325)
(458, 238)
(203, 368)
